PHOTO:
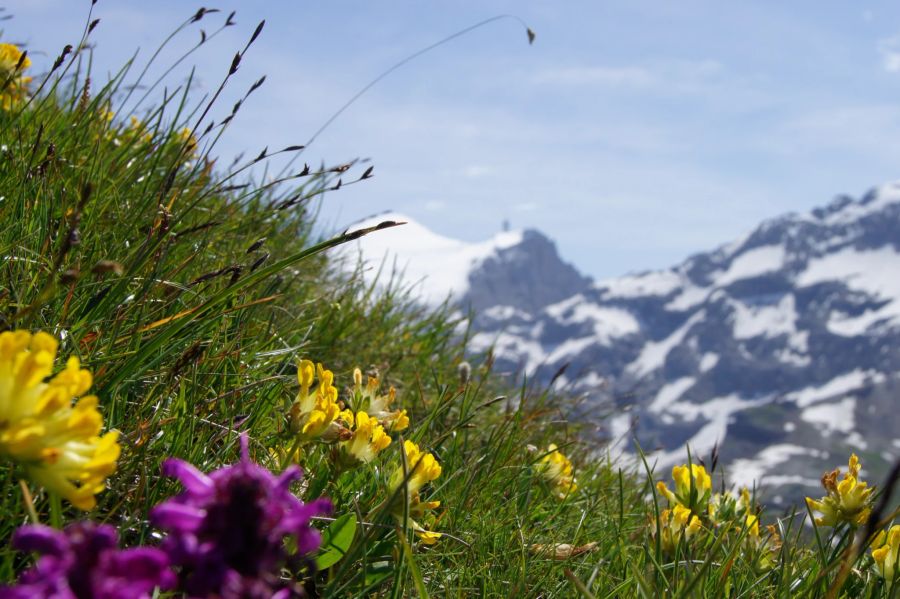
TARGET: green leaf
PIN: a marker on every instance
(336, 541)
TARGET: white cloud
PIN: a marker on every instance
(474, 171)
(435, 205)
(596, 75)
(889, 49)
(669, 75)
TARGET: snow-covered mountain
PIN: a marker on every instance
(438, 267)
(782, 348)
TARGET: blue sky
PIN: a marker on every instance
(633, 132)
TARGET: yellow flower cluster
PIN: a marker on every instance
(314, 409)
(367, 437)
(848, 500)
(674, 526)
(56, 441)
(13, 85)
(688, 503)
(359, 433)
(693, 487)
(419, 469)
(137, 129)
(724, 507)
(366, 398)
(557, 470)
(886, 553)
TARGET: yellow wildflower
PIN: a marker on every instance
(13, 85)
(188, 141)
(693, 487)
(367, 399)
(763, 550)
(846, 501)
(421, 468)
(56, 441)
(724, 507)
(282, 456)
(314, 409)
(675, 525)
(557, 470)
(886, 553)
(138, 130)
(368, 437)
(105, 116)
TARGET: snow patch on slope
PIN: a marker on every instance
(653, 355)
(670, 393)
(830, 417)
(526, 351)
(885, 195)
(766, 321)
(838, 386)
(753, 263)
(746, 472)
(718, 414)
(661, 283)
(439, 266)
(569, 348)
(608, 323)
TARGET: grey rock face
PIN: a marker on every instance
(528, 276)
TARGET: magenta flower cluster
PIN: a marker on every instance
(84, 561)
(227, 530)
(226, 538)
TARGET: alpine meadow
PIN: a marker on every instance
(197, 399)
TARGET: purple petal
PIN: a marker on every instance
(41, 539)
(41, 590)
(290, 474)
(299, 517)
(175, 516)
(133, 573)
(145, 564)
(308, 541)
(193, 480)
(91, 536)
(245, 447)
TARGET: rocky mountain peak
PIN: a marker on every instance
(529, 275)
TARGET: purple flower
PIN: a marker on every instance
(83, 562)
(227, 529)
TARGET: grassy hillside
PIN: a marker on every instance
(199, 300)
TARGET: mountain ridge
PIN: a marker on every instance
(776, 350)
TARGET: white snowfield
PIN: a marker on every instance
(875, 273)
(608, 323)
(840, 385)
(748, 472)
(661, 282)
(438, 266)
(753, 263)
